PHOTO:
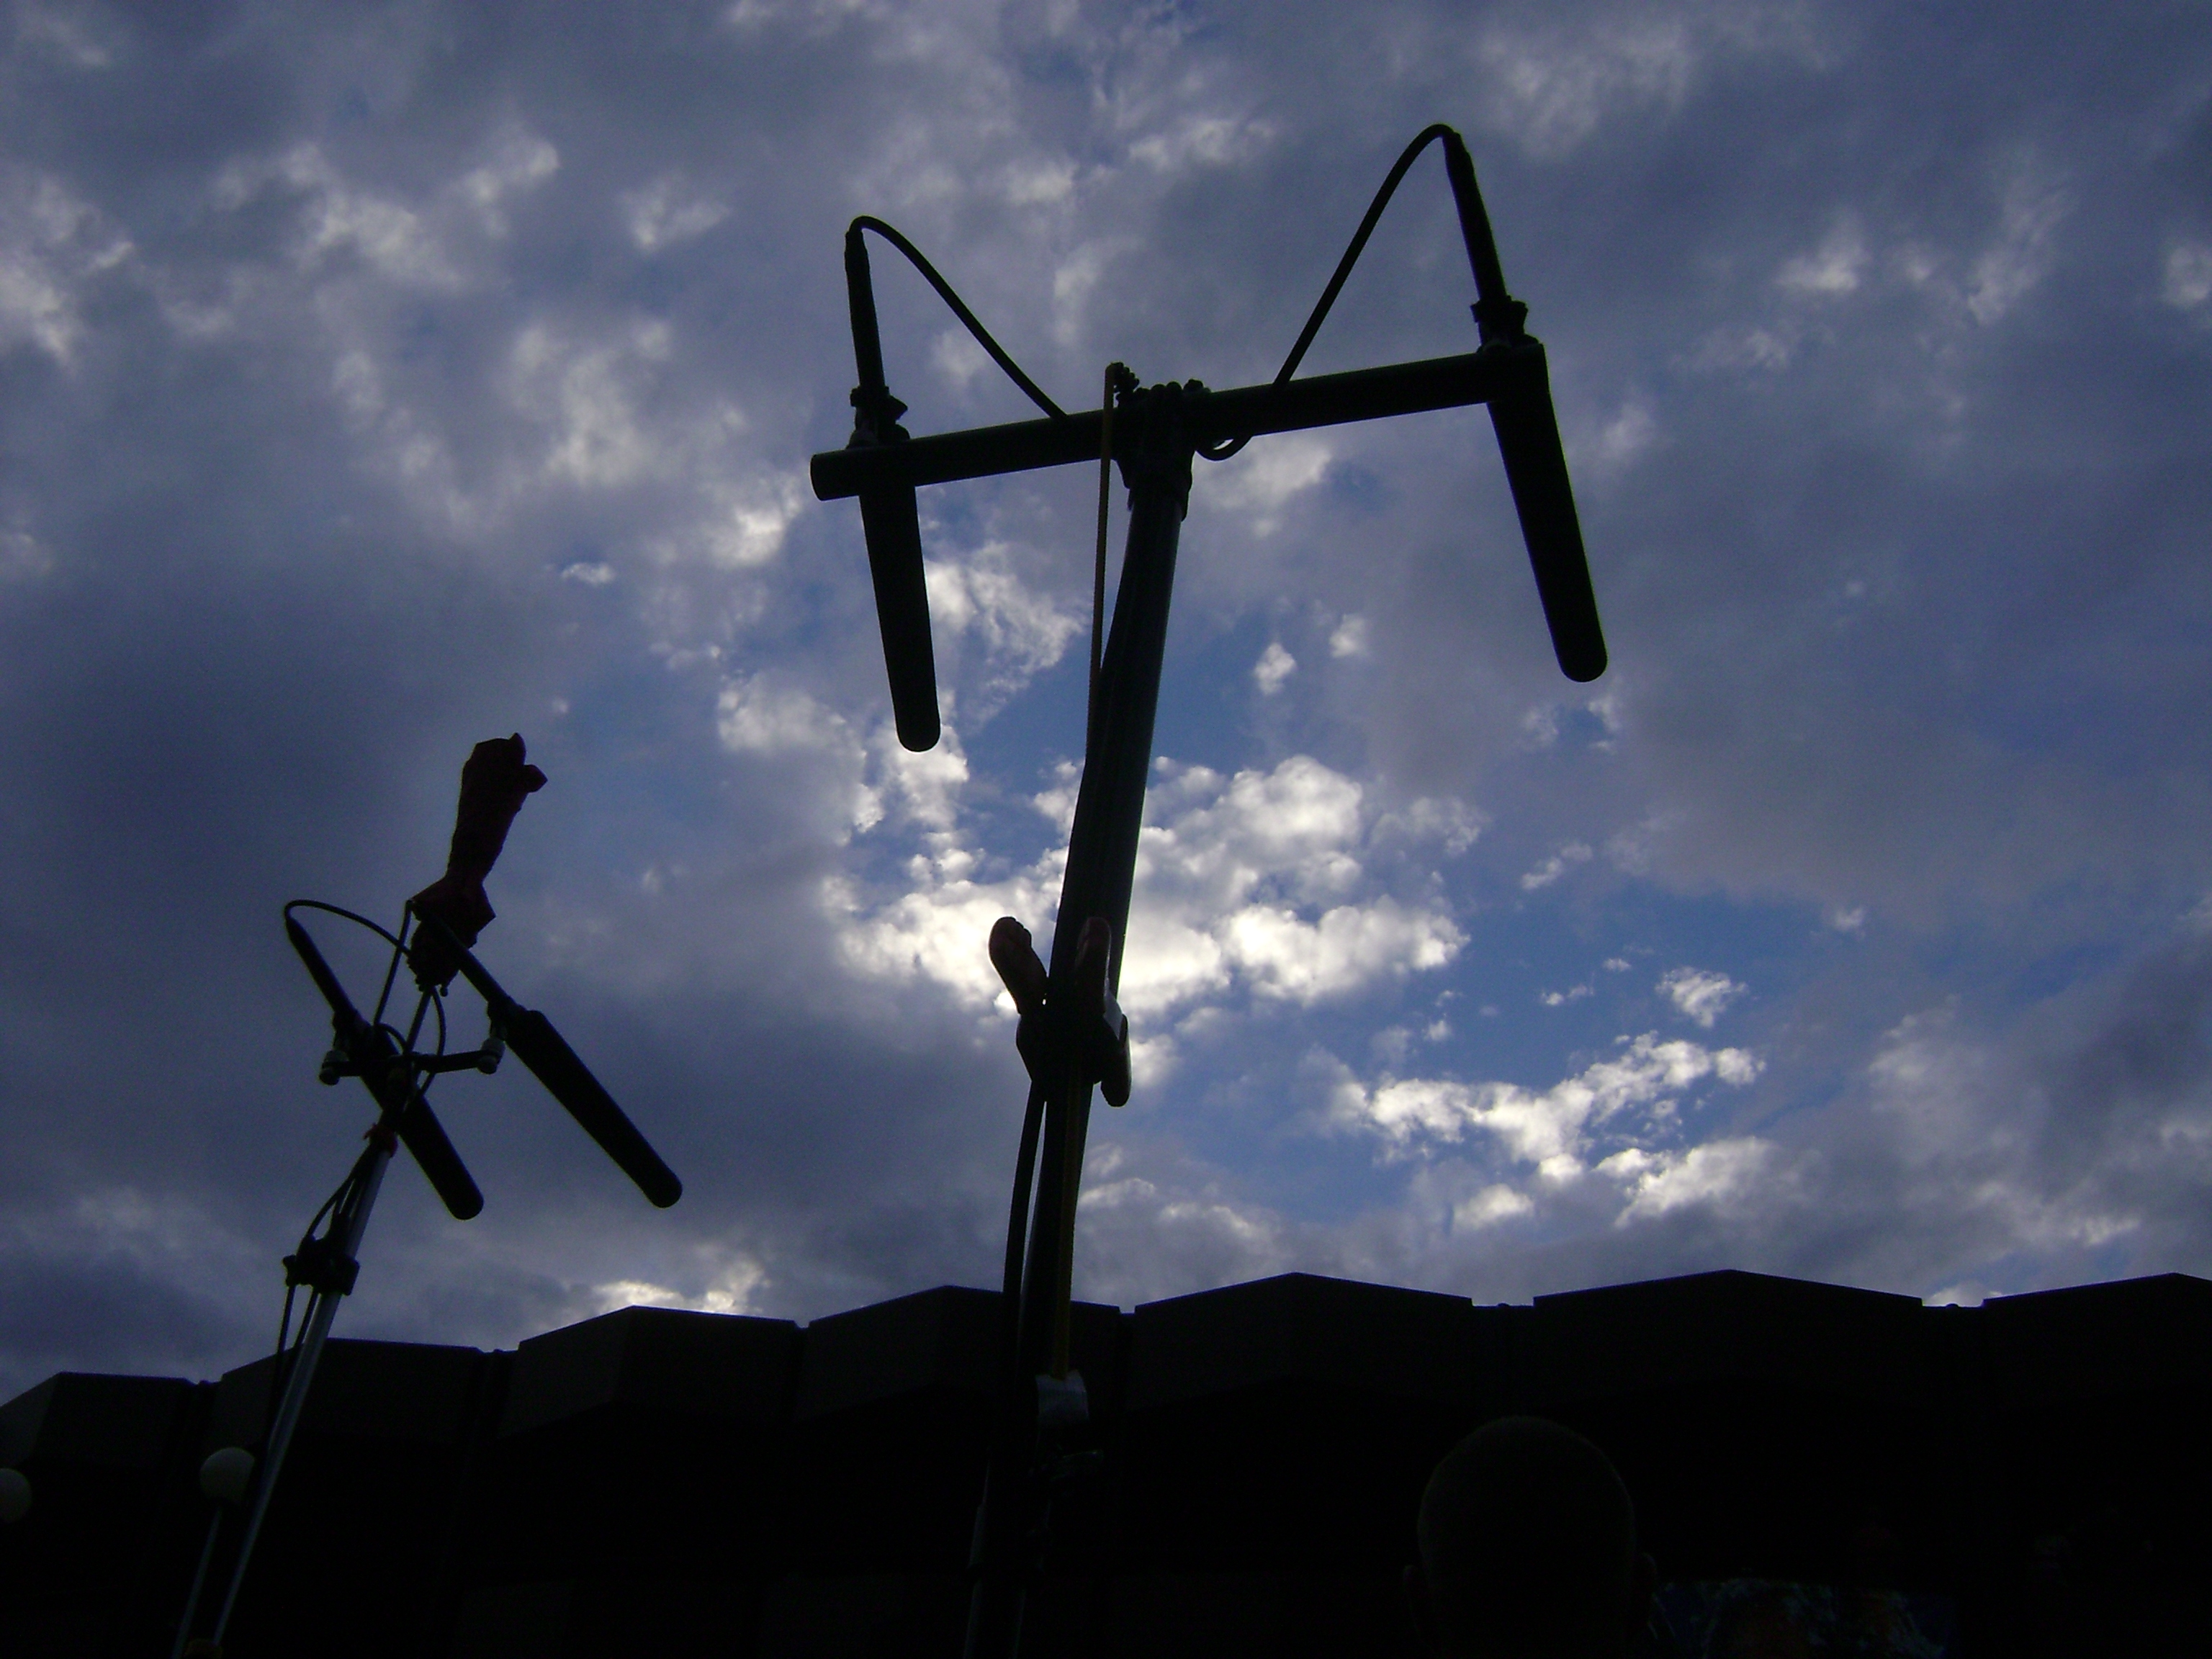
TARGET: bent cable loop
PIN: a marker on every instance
(1224, 450)
(999, 356)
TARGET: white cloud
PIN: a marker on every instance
(667, 212)
(748, 521)
(1149, 1226)
(1263, 481)
(588, 395)
(439, 241)
(1553, 1129)
(66, 32)
(53, 243)
(2188, 276)
(1743, 345)
(1549, 1126)
(1198, 141)
(1258, 877)
(519, 162)
(940, 931)
(1552, 90)
(1075, 280)
(1833, 269)
(1350, 637)
(1291, 959)
(1968, 1293)
(2006, 271)
(959, 357)
(1254, 882)
(393, 239)
(1023, 631)
(731, 1287)
(1630, 432)
(754, 716)
(1960, 1126)
(1542, 726)
(1708, 1175)
(1492, 1205)
(1557, 864)
(1275, 666)
(1453, 824)
(1704, 997)
(23, 557)
(1039, 183)
(926, 785)
(1554, 80)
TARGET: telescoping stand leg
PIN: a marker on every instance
(1071, 1035)
(348, 1223)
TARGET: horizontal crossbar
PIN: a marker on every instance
(1363, 394)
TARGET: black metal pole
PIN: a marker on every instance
(1102, 861)
(1102, 849)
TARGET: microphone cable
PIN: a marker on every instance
(1228, 446)
(892, 234)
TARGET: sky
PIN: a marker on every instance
(375, 379)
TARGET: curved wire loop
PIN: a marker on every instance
(1228, 446)
(914, 256)
(431, 1000)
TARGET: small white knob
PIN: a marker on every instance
(226, 1474)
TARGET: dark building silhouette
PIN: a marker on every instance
(2033, 1476)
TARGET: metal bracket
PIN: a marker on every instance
(322, 1264)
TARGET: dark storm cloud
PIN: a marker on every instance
(372, 380)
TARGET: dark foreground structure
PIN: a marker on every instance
(2033, 1476)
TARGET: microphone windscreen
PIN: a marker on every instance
(425, 1139)
(543, 1050)
(1536, 468)
(893, 526)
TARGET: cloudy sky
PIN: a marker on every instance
(379, 378)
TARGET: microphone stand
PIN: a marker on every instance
(330, 1265)
(448, 916)
(1071, 1036)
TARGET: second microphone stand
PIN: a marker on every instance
(1071, 1036)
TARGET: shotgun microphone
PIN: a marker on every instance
(1528, 431)
(1536, 469)
(891, 522)
(566, 1078)
(569, 1081)
(424, 1137)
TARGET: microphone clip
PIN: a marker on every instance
(322, 1266)
(875, 418)
(1502, 320)
(1087, 1031)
